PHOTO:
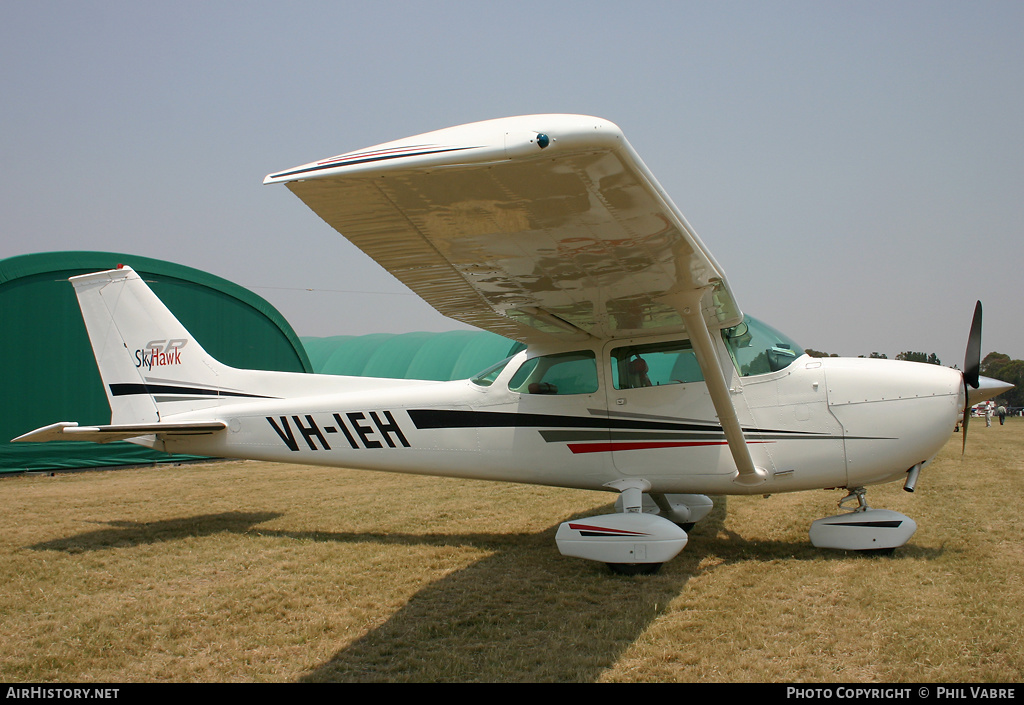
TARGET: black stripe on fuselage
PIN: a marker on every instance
(448, 418)
(128, 389)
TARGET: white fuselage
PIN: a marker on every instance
(829, 422)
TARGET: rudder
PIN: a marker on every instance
(146, 358)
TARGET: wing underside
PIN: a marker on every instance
(536, 228)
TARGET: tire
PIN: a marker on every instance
(634, 568)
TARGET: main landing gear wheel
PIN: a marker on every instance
(634, 568)
(879, 551)
(629, 544)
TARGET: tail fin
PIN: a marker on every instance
(153, 369)
(150, 364)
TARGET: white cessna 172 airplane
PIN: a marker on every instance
(641, 374)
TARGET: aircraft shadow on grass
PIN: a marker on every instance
(138, 533)
(543, 607)
(583, 609)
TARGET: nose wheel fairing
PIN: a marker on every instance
(864, 528)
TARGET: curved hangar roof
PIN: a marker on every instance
(44, 340)
(49, 370)
(432, 356)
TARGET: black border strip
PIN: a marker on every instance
(433, 419)
(129, 389)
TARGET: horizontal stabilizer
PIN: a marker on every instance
(71, 431)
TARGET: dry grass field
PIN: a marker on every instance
(253, 572)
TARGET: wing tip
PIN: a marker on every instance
(50, 432)
(488, 140)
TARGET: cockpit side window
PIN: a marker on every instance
(757, 348)
(563, 373)
(487, 377)
(654, 365)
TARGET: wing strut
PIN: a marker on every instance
(718, 388)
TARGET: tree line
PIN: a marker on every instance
(999, 366)
(909, 356)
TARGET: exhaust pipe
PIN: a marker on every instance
(912, 474)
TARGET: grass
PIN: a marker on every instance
(243, 571)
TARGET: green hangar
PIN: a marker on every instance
(49, 373)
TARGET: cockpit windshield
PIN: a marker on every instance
(757, 348)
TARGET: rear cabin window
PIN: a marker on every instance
(654, 365)
(564, 373)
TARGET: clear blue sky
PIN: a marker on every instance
(856, 168)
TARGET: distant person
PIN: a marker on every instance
(988, 415)
(1001, 413)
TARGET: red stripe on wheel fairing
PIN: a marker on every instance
(604, 531)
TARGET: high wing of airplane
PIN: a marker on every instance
(539, 228)
(641, 375)
(544, 228)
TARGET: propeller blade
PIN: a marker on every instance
(967, 417)
(972, 358)
(972, 370)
